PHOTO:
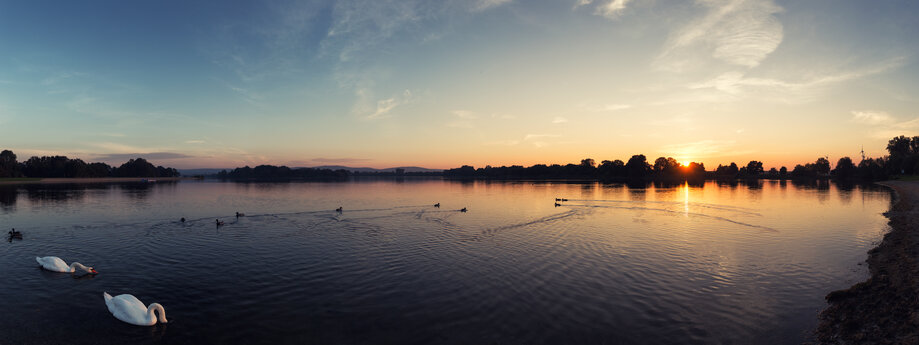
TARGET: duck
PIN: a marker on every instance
(218, 222)
(557, 199)
(463, 209)
(182, 220)
(129, 309)
(15, 234)
(55, 264)
(339, 209)
(437, 205)
(240, 214)
(564, 199)
(557, 204)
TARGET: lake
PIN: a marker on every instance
(743, 263)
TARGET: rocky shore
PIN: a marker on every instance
(885, 308)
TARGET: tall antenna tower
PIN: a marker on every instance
(863, 152)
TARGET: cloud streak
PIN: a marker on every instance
(739, 32)
(123, 157)
(737, 83)
(385, 106)
(703, 149)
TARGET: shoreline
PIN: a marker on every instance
(884, 309)
(62, 180)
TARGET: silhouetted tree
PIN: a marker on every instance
(844, 169)
(666, 167)
(822, 166)
(9, 167)
(754, 168)
(872, 169)
(612, 169)
(638, 167)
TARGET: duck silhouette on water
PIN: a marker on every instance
(339, 209)
(240, 214)
(463, 209)
(218, 222)
(437, 205)
(15, 235)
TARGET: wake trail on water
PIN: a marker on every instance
(694, 214)
(737, 209)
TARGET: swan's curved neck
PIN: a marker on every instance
(76, 265)
(153, 308)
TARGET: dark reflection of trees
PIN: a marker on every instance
(845, 192)
(138, 191)
(638, 193)
(53, 193)
(588, 190)
(753, 184)
(8, 196)
(845, 185)
(732, 184)
(638, 184)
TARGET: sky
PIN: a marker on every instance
(440, 84)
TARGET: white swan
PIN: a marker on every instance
(53, 263)
(129, 309)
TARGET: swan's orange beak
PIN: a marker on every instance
(93, 270)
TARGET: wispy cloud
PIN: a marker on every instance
(559, 119)
(463, 119)
(465, 114)
(739, 32)
(703, 149)
(482, 5)
(540, 136)
(359, 25)
(606, 108)
(249, 96)
(339, 160)
(509, 142)
(611, 9)
(869, 117)
(882, 125)
(385, 106)
(122, 157)
(737, 83)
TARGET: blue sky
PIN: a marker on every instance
(441, 84)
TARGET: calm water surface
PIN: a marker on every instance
(742, 264)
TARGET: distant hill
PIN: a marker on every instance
(206, 172)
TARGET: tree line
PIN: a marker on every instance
(903, 158)
(283, 173)
(61, 166)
